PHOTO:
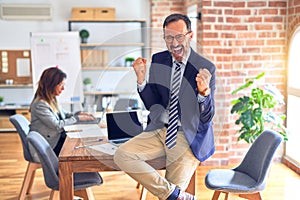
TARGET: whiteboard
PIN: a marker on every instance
(60, 49)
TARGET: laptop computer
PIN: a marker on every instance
(121, 126)
(97, 120)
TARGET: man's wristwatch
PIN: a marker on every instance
(205, 92)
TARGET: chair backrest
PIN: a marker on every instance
(259, 157)
(48, 159)
(22, 126)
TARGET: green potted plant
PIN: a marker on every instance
(256, 110)
(84, 34)
(1, 101)
(129, 61)
(87, 84)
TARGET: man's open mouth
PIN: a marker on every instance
(177, 50)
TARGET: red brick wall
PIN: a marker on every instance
(243, 38)
(251, 39)
(160, 9)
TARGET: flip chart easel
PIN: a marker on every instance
(61, 49)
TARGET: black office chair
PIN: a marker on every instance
(82, 181)
(22, 126)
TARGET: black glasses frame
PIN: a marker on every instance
(179, 37)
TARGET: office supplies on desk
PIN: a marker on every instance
(121, 126)
(86, 130)
(107, 148)
(89, 143)
(96, 140)
(85, 146)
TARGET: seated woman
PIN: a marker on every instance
(47, 116)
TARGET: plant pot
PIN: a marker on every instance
(84, 40)
(84, 34)
(128, 63)
(88, 87)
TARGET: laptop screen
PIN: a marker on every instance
(122, 125)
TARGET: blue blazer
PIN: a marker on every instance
(195, 116)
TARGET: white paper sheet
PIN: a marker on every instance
(107, 148)
(84, 131)
(61, 49)
(23, 67)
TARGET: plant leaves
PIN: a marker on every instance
(247, 119)
(249, 82)
(242, 104)
(268, 101)
(246, 85)
(255, 110)
(273, 91)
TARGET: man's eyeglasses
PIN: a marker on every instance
(179, 37)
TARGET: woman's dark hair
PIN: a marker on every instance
(50, 78)
(176, 17)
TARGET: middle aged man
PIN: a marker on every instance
(180, 97)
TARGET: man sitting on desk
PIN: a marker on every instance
(47, 116)
(180, 97)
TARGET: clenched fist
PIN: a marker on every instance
(139, 66)
(203, 78)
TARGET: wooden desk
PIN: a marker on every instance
(88, 160)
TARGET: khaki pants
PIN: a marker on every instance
(180, 162)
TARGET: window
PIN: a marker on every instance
(293, 108)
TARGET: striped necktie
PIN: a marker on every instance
(173, 110)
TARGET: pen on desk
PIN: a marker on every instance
(71, 131)
(86, 145)
(96, 140)
(83, 146)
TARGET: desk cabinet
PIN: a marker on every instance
(6, 112)
(16, 100)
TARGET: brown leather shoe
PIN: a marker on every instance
(186, 196)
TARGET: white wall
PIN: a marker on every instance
(15, 34)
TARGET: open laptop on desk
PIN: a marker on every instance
(121, 126)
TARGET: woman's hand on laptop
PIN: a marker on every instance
(82, 116)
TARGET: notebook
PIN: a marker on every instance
(121, 126)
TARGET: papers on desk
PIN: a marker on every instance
(91, 130)
(107, 148)
(84, 130)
